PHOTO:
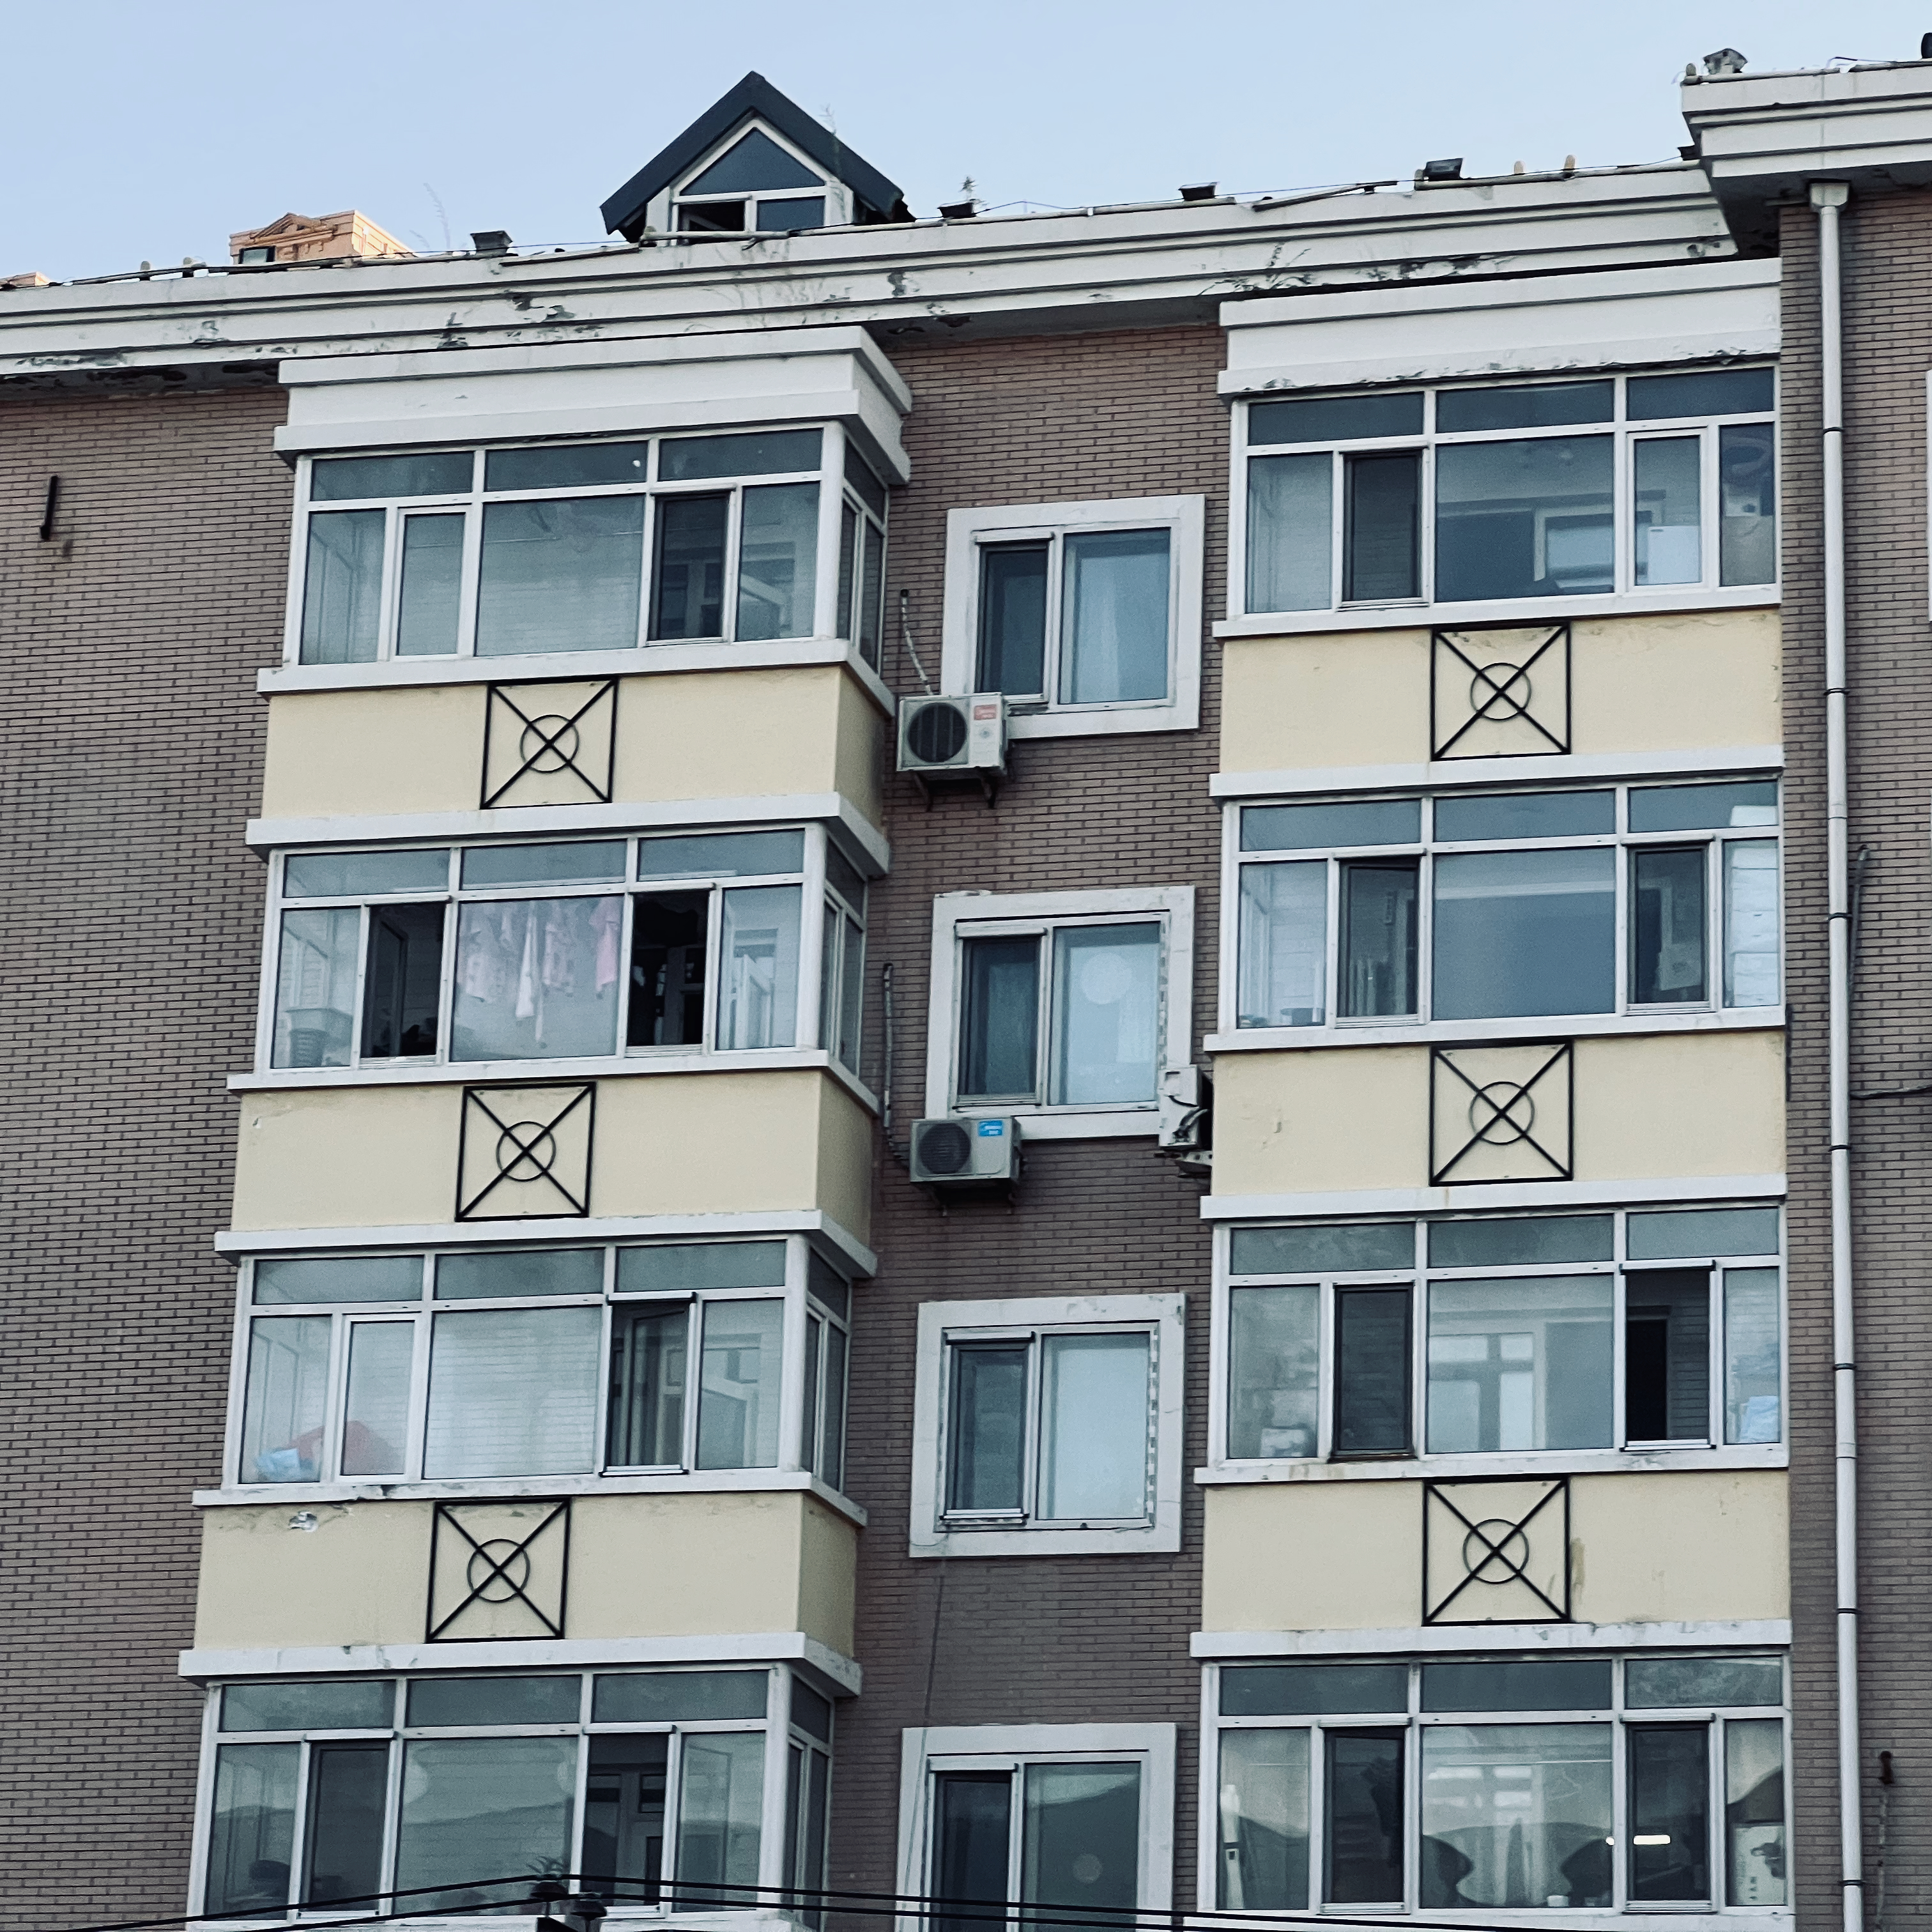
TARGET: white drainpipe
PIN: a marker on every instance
(1828, 198)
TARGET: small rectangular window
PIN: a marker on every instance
(287, 1406)
(560, 573)
(429, 599)
(1684, 1683)
(1669, 940)
(776, 452)
(442, 472)
(376, 1401)
(1520, 1364)
(1381, 534)
(1285, 828)
(342, 590)
(535, 978)
(316, 1278)
(402, 994)
(1115, 617)
(1496, 817)
(678, 1696)
(1691, 1233)
(1702, 392)
(758, 944)
(1667, 1356)
(561, 863)
(1284, 945)
(1703, 808)
(1746, 503)
(624, 1795)
(1382, 1246)
(1080, 1838)
(999, 1019)
(667, 969)
(688, 568)
(252, 1829)
(1518, 1683)
(985, 1460)
(1754, 1357)
(1378, 939)
(518, 1273)
(348, 1788)
(1371, 1372)
(972, 1833)
(1666, 475)
(1755, 1849)
(1669, 1813)
(1336, 419)
(1264, 1788)
(1752, 974)
(472, 1805)
(649, 1351)
(277, 1704)
(320, 954)
(566, 466)
(1290, 535)
(1520, 1240)
(778, 554)
(1363, 1842)
(1106, 1001)
(1094, 1446)
(1525, 933)
(720, 855)
(788, 217)
(1313, 1690)
(1529, 405)
(513, 1392)
(1529, 519)
(321, 875)
(1012, 618)
(682, 1268)
(739, 1385)
(1274, 1359)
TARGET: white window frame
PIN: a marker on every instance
(1412, 1722)
(799, 1463)
(1626, 1015)
(967, 529)
(1222, 1468)
(1016, 914)
(925, 1751)
(837, 196)
(1626, 594)
(1161, 1317)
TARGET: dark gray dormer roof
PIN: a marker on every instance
(877, 199)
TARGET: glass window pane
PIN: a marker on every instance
(1703, 808)
(721, 855)
(288, 1400)
(560, 465)
(1526, 815)
(1702, 392)
(1362, 1864)
(1519, 1684)
(252, 1832)
(1382, 536)
(1273, 1371)
(1371, 1372)
(832, 1451)
(845, 878)
(342, 589)
(1336, 419)
(848, 564)
(1687, 1683)
(683, 1267)
(565, 863)
(1519, 1242)
(1691, 1233)
(754, 161)
(1095, 1440)
(1284, 945)
(1669, 1811)
(362, 1704)
(1754, 1357)
(536, 979)
(1524, 519)
(315, 988)
(1669, 941)
(439, 473)
(337, 1278)
(851, 990)
(1286, 828)
(828, 1285)
(475, 1807)
(1754, 1812)
(1114, 621)
(859, 477)
(721, 1796)
(1747, 504)
(677, 1697)
(1667, 1355)
(776, 452)
(778, 560)
(971, 1844)
(624, 1817)
(1377, 969)
(814, 1330)
(999, 1054)
(1525, 932)
(520, 1272)
(513, 1392)
(872, 595)
(376, 1422)
(348, 1789)
(757, 992)
(668, 935)
(688, 568)
(1520, 1364)
(1532, 406)
(1515, 1816)
(1312, 1690)
(811, 1712)
(649, 1349)
(330, 875)
(562, 573)
(739, 1385)
(1012, 618)
(1318, 1250)
(1667, 511)
(1291, 532)
(437, 1701)
(429, 601)
(985, 1440)
(402, 989)
(1106, 1013)
(1080, 1842)
(1752, 976)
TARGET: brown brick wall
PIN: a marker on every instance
(1043, 1640)
(1888, 301)
(130, 939)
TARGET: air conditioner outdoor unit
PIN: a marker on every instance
(966, 735)
(951, 1153)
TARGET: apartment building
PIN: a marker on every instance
(992, 1061)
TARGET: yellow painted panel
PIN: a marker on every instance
(865, 737)
(828, 1576)
(1312, 1556)
(1308, 1122)
(1705, 1544)
(1682, 1104)
(845, 1159)
(346, 1156)
(407, 749)
(1333, 697)
(1665, 683)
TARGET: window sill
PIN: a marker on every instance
(1543, 1463)
(1105, 720)
(707, 1482)
(1415, 1032)
(1503, 611)
(385, 673)
(1071, 1123)
(1560, 768)
(609, 1066)
(1162, 1537)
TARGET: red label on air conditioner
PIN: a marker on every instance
(984, 712)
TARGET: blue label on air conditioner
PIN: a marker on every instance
(992, 1130)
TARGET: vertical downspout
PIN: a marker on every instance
(1828, 198)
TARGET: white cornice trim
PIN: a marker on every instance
(1214, 1646)
(1451, 773)
(1517, 1194)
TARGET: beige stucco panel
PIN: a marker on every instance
(828, 1576)
(1317, 1121)
(1701, 1545)
(361, 1576)
(1664, 683)
(1335, 697)
(845, 1159)
(1680, 1104)
(410, 749)
(865, 738)
(1312, 1556)
(346, 1157)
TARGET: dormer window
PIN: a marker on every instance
(754, 186)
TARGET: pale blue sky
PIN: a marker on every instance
(134, 130)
